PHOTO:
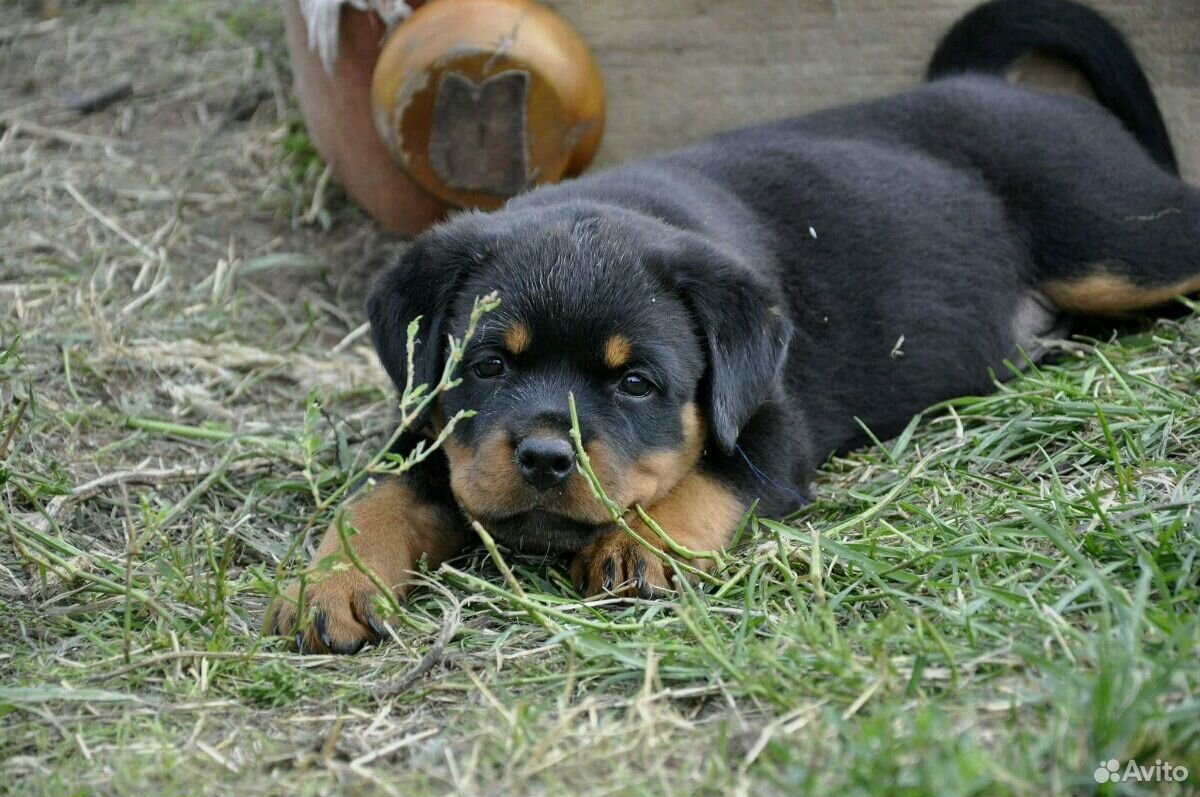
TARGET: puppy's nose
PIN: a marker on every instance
(545, 461)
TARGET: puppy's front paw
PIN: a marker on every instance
(700, 514)
(336, 615)
(395, 530)
(617, 564)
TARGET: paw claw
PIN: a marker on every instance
(322, 631)
(376, 628)
(609, 568)
(639, 575)
(580, 567)
(366, 615)
(621, 566)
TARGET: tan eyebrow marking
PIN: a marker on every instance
(517, 338)
(617, 351)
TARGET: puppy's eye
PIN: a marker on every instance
(489, 367)
(636, 385)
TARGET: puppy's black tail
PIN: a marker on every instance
(992, 37)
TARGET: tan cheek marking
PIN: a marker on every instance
(617, 351)
(1112, 294)
(579, 501)
(656, 474)
(693, 430)
(483, 479)
(437, 420)
(517, 337)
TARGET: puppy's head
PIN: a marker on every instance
(665, 341)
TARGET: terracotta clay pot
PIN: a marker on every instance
(482, 99)
(466, 103)
(337, 110)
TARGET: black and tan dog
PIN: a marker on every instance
(724, 314)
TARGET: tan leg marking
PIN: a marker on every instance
(395, 529)
(1051, 74)
(700, 514)
(1112, 294)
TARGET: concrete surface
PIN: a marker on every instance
(677, 70)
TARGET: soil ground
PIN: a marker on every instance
(996, 602)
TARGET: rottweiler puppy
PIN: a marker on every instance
(728, 315)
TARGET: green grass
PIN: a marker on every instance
(992, 603)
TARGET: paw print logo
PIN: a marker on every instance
(1108, 771)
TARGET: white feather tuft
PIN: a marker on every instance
(322, 18)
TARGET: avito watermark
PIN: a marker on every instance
(1160, 771)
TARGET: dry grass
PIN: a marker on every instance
(991, 604)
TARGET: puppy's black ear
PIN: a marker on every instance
(745, 330)
(421, 284)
